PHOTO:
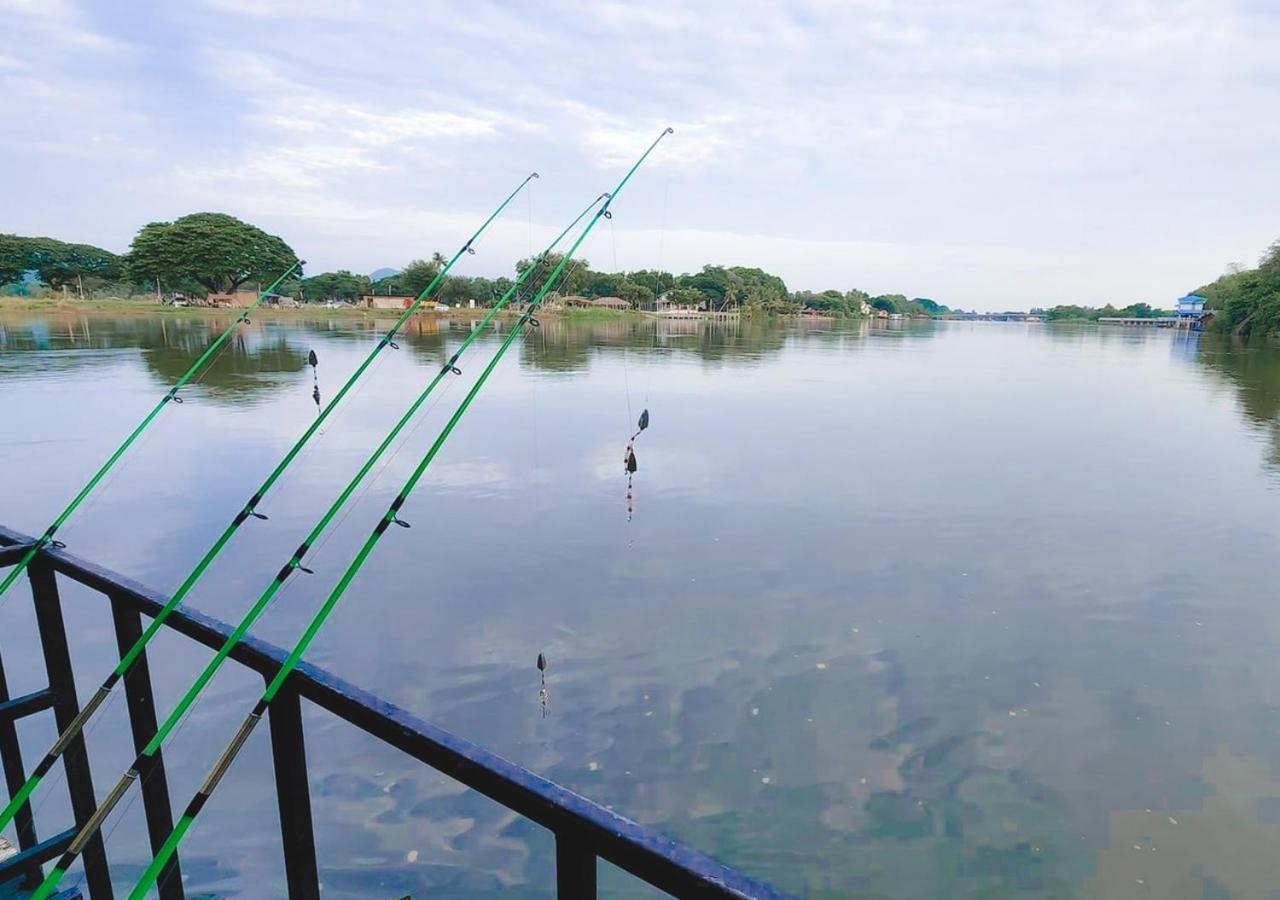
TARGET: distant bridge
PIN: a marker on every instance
(994, 317)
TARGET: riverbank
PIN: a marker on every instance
(300, 313)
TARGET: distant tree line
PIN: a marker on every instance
(55, 263)
(216, 253)
(196, 254)
(1072, 313)
(1247, 301)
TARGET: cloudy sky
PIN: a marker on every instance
(986, 153)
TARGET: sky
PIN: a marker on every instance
(989, 154)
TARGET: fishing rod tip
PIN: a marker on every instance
(533, 175)
(669, 130)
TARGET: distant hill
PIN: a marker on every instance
(384, 272)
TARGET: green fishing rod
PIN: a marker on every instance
(170, 396)
(248, 511)
(150, 753)
(390, 517)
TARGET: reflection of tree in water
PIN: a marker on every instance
(565, 345)
(257, 353)
(429, 339)
(1254, 370)
(248, 364)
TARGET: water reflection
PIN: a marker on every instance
(1253, 369)
(908, 610)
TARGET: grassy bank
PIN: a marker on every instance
(151, 308)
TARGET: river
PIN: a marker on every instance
(955, 609)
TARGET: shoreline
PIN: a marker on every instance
(10, 305)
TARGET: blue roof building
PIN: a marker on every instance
(1190, 307)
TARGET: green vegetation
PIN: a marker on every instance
(56, 263)
(340, 285)
(1070, 313)
(214, 250)
(215, 253)
(1247, 301)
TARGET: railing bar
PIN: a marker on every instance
(649, 856)
(35, 856)
(575, 868)
(140, 700)
(15, 774)
(57, 661)
(26, 705)
(10, 555)
(289, 754)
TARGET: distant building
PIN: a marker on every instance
(666, 304)
(610, 303)
(1190, 307)
(237, 299)
(385, 301)
(573, 301)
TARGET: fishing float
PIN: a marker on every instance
(390, 517)
(249, 510)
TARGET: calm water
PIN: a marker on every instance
(968, 610)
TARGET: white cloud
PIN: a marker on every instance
(975, 152)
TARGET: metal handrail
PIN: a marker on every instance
(584, 830)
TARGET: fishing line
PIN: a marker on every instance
(313, 360)
(544, 696)
(529, 208)
(356, 393)
(382, 467)
(389, 518)
(662, 230)
(172, 395)
(625, 378)
(113, 475)
(662, 267)
(217, 358)
(533, 405)
(104, 490)
(119, 819)
(248, 511)
(295, 563)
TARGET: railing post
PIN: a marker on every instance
(575, 868)
(75, 759)
(14, 776)
(142, 722)
(289, 753)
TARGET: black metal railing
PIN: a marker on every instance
(584, 831)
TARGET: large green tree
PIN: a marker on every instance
(216, 250)
(340, 285)
(420, 273)
(572, 280)
(656, 281)
(56, 263)
(13, 258)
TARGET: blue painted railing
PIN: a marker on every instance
(584, 831)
